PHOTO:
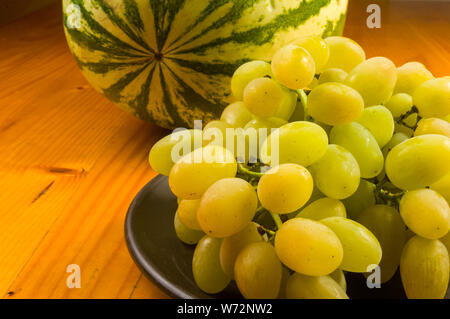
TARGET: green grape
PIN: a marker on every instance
(231, 246)
(361, 143)
(180, 143)
(345, 54)
(399, 104)
(335, 104)
(227, 207)
(333, 75)
(387, 226)
(380, 123)
(396, 139)
(308, 247)
(424, 268)
(313, 84)
(191, 176)
(246, 73)
(419, 162)
(446, 241)
(236, 114)
(208, 274)
(302, 143)
(285, 188)
(288, 105)
(337, 173)
(399, 128)
(293, 67)
(363, 197)
(374, 79)
(323, 208)
(299, 113)
(361, 248)
(318, 48)
(306, 287)
(187, 212)
(426, 213)
(185, 234)
(285, 274)
(267, 123)
(263, 97)
(432, 98)
(215, 133)
(339, 276)
(432, 126)
(442, 186)
(409, 76)
(258, 271)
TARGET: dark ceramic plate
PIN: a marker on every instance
(166, 261)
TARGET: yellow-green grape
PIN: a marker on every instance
(339, 276)
(345, 54)
(227, 207)
(419, 162)
(446, 241)
(306, 287)
(293, 67)
(318, 48)
(323, 208)
(231, 246)
(285, 188)
(191, 176)
(308, 247)
(185, 234)
(387, 226)
(337, 173)
(208, 274)
(432, 125)
(285, 274)
(255, 134)
(333, 75)
(236, 114)
(246, 73)
(301, 142)
(447, 118)
(288, 105)
(374, 79)
(215, 133)
(409, 76)
(399, 104)
(258, 271)
(263, 97)
(442, 186)
(424, 268)
(400, 128)
(363, 197)
(181, 143)
(361, 248)
(313, 84)
(426, 213)
(187, 212)
(380, 123)
(432, 98)
(360, 142)
(396, 139)
(335, 104)
(267, 123)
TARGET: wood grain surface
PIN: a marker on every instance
(71, 162)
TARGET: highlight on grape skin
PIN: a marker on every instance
(328, 162)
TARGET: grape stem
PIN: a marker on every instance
(304, 101)
(245, 171)
(267, 231)
(403, 117)
(276, 218)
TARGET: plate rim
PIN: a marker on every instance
(146, 266)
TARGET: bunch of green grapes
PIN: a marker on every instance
(326, 163)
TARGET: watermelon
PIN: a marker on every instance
(170, 61)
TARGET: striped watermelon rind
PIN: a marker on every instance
(170, 61)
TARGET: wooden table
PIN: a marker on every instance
(70, 162)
